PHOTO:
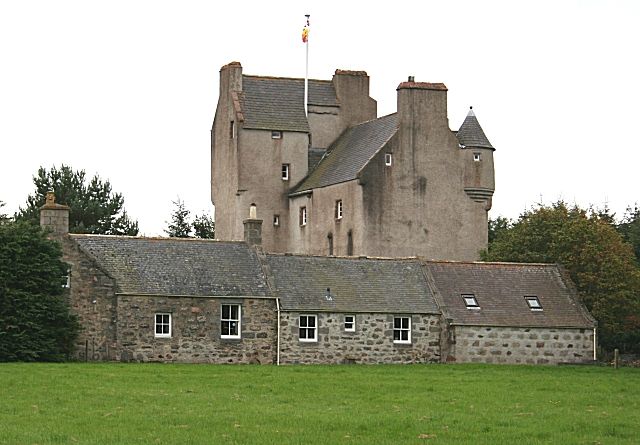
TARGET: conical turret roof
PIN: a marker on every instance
(470, 133)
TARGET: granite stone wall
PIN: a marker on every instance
(195, 336)
(92, 298)
(372, 341)
(541, 346)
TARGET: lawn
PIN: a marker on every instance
(417, 404)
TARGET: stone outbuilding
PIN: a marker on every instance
(511, 313)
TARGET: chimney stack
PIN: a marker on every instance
(253, 228)
(54, 217)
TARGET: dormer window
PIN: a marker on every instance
(476, 157)
(285, 172)
(276, 134)
(534, 303)
(387, 159)
(470, 301)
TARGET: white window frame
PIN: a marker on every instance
(276, 134)
(161, 323)
(339, 209)
(349, 325)
(477, 157)
(67, 279)
(401, 329)
(470, 301)
(286, 172)
(388, 159)
(230, 320)
(276, 220)
(534, 303)
(303, 216)
(307, 329)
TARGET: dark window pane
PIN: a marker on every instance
(234, 312)
(225, 311)
(311, 322)
(396, 323)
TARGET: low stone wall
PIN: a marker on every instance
(372, 341)
(195, 330)
(541, 346)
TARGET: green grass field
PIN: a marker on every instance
(417, 404)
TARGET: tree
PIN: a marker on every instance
(179, 226)
(204, 226)
(3, 216)
(629, 228)
(35, 322)
(497, 226)
(94, 207)
(599, 261)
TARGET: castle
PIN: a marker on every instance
(306, 204)
(338, 180)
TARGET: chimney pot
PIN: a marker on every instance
(411, 79)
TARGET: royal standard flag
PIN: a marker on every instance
(305, 34)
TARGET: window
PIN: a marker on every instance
(232, 130)
(339, 209)
(350, 323)
(470, 301)
(303, 216)
(534, 303)
(330, 239)
(276, 134)
(285, 172)
(402, 329)
(308, 328)
(476, 157)
(230, 321)
(276, 220)
(66, 279)
(163, 325)
(349, 243)
(387, 159)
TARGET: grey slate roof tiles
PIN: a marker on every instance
(276, 103)
(470, 133)
(173, 266)
(356, 285)
(500, 289)
(350, 152)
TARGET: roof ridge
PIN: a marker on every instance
(154, 238)
(284, 78)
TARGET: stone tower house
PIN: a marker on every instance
(341, 181)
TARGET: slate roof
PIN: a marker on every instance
(500, 289)
(277, 103)
(470, 133)
(356, 285)
(350, 153)
(172, 266)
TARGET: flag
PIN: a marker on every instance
(305, 32)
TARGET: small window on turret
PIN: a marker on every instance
(276, 220)
(476, 157)
(232, 130)
(387, 159)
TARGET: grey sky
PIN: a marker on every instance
(128, 89)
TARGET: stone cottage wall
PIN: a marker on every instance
(92, 298)
(481, 344)
(195, 330)
(372, 341)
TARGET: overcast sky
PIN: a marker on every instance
(128, 89)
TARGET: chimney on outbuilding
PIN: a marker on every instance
(54, 217)
(253, 227)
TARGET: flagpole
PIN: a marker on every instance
(306, 73)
